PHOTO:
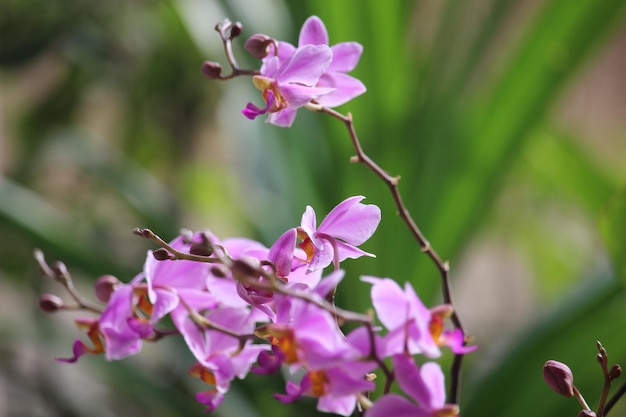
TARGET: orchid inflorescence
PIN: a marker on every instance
(243, 307)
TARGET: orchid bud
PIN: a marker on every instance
(201, 249)
(615, 372)
(587, 413)
(59, 269)
(245, 268)
(105, 286)
(50, 303)
(258, 45)
(212, 70)
(161, 254)
(235, 30)
(559, 377)
(219, 271)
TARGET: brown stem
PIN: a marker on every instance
(178, 255)
(223, 28)
(63, 277)
(443, 267)
(611, 402)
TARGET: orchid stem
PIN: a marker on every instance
(403, 212)
(615, 398)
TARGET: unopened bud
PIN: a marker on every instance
(258, 45)
(161, 254)
(615, 372)
(212, 70)
(59, 269)
(219, 271)
(50, 303)
(559, 377)
(246, 268)
(105, 286)
(201, 249)
(235, 30)
(587, 413)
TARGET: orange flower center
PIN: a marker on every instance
(318, 383)
(266, 85)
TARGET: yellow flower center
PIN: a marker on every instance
(266, 85)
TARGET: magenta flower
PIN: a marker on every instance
(411, 325)
(220, 357)
(307, 335)
(405, 317)
(346, 56)
(425, 386)
(288, 84)
(336, 388)
(348, 225)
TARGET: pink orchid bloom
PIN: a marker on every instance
(348, 225)
(307, 335)
(425, 386)
(346, 56)
(411, 325)
(336, 388)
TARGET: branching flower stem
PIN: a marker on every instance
(442, 266)
(58, 272)
(227, 31)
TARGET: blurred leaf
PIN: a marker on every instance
(613, 228)
(563, 167)
(460, 177)
(515, 387)
(53, 228)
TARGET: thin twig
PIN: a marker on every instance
(223, 28)
(59, 274)
(403, 212)
(615, 398)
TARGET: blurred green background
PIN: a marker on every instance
(505, 119)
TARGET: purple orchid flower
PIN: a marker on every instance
(346, 56)
(220, 356)
(288, 84)
(411, 325)
(348, 225)
(307, 335)
(336, 388)
(425, 386)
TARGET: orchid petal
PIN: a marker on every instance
(299, 95)
(389, 301)
(329, 283)
(346, 88)
(411, 381)
(283, 118)
(351, 222)
(281, 252)
(433, 376)
(306, 65)
(396, 406)
(346, 56)
(313, 32)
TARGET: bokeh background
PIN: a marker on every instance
(505, 119)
